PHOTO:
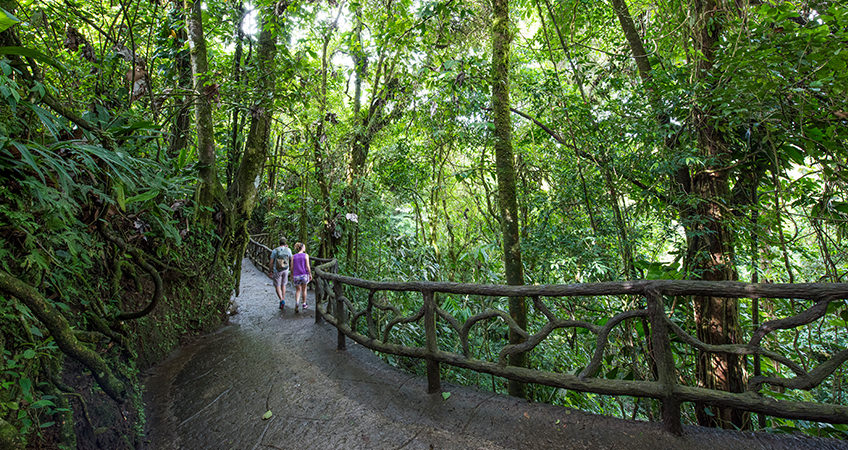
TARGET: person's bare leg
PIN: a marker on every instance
(281, 291)
(296, 296)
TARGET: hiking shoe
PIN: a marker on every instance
(305, 306)
(282, 305)
(295, 309)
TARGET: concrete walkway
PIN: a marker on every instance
(213, 393)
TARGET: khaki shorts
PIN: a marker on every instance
(281, 278)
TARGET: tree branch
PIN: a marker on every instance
(586, 155)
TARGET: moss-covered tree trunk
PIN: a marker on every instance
(209, 192)
(243, 191)
(235, 126)
(182, 102)
(501, 37)
(328, 240)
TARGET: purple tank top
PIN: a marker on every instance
(299, 264)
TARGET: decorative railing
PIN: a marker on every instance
(259, 251)
(371, 320)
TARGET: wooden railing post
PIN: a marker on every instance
(319, 296)
(340, 310)
(665, 363)
(434, 383)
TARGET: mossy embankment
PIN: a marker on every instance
(73, 347)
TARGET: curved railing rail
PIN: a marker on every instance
(372, 326)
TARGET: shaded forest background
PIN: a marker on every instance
(522, 142)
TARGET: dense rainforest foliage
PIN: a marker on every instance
(521, 142)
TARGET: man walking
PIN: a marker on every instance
(280, 263)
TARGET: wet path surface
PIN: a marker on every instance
(213, 393)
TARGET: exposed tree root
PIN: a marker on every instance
(61, 331)
(138, 258)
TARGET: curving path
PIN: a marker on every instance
(212, 394)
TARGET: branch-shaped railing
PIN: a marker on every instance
(372, 326)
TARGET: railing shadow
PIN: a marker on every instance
(446, 338)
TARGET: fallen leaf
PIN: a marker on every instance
(446, 395)
(267, 415)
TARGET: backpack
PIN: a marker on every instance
(281, 263)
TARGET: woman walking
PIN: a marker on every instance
(301, 274)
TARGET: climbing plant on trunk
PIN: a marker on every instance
(702, 199)
(505, 161)
(210, 194)
(242, 193)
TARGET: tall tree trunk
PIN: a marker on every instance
(626, 249)
(359, 148)
(233, 153)
(209, 191)
(755, 278)
(586, 203)
(242, 193)
(328, 239)
(716, 319)
(303, 228)
(182, 120)
(365, 126)
(709, 241)
(361, 142)
(506, 178)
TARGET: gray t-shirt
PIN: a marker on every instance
(284, 253)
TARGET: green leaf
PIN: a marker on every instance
(7, 19)
(26, 388)
(42, 403)
(119, 196)
(29, 353)
(794, 153)
(28, 52)
(151, 194)
(267, 415)
(446, 395)
(841, 207)
(834, 306)
(28, 158)
(45, 117)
